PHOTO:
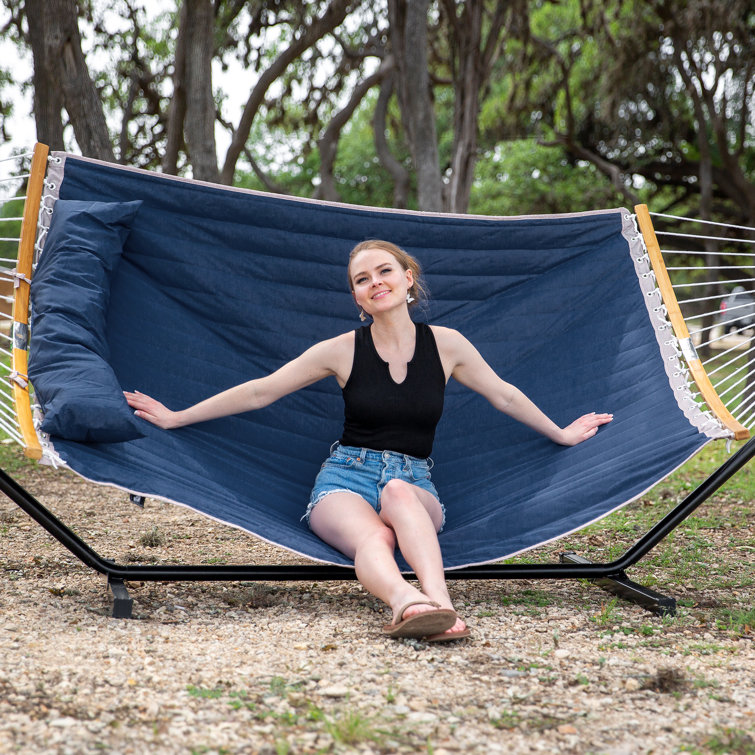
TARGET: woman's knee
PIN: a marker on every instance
(402, 502)
(398, 497)
(377, 537)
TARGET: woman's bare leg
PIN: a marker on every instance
(415, 516)
(348, 523)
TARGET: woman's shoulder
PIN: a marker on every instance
(344, 341)
(447, 336)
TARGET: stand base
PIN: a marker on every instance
(123, 603)
(623, 587)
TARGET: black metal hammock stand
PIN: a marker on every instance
(498, 278)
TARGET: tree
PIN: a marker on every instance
(409, 44)
(61, 79)
(308, 30)
(192, 108)
(653, 92)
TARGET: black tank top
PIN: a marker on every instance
(388, 416)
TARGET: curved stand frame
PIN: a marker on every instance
(611, 575)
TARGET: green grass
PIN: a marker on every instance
(12, 459)
(723, 741)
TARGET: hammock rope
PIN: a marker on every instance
(731, 330)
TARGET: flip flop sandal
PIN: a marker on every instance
(449, 636)
(421, 624)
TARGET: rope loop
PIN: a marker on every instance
(18, 277)
(19, 379)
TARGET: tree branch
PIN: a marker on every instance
(333, 16)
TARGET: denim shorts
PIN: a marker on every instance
(365, 472)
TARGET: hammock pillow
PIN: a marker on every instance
(74, 383)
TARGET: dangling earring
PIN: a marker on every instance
(362, 315)
(409, 298)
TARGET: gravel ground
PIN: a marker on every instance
(554, 666)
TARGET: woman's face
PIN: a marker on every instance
(378, 281)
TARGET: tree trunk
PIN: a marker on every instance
(65, 69)
(468, 81)
(408, 34)
(328, 142)
(177, 108)
(48, 106)
(398, 172)
(199, 122)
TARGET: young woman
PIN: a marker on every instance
(374, 491)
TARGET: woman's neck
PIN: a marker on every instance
(395, 327)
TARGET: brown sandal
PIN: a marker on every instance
(449, 636)
(421, 624)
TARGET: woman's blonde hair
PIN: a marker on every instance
(418, 291)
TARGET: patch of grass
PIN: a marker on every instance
(608, 613)
(153, 538)
(530, 598)
(507, 720)
(706, 648)
(205, 693)
(351, 728)
(12, 459)
(730, 741)
(280, 687)
(740, 621)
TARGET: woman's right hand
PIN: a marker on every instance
(152, 410)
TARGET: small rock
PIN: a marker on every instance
(632, 685)
(561, 653)
(422, 717)
(62, 723)
(337, 690)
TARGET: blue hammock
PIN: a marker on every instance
(182, 289)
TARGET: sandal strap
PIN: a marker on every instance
(399, 615)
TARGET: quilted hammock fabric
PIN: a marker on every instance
(215, 286)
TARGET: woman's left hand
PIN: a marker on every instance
(583, 428)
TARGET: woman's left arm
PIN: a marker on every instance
(464, 363)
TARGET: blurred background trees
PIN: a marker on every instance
(507, 107)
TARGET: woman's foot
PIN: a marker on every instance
(459, 630)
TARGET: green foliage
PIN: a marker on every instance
(523, 177)
(10, 229)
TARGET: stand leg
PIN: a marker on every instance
(623, 587)
(122, 602)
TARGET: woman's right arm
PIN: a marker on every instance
(331, 357)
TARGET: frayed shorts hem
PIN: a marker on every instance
(319, 498)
